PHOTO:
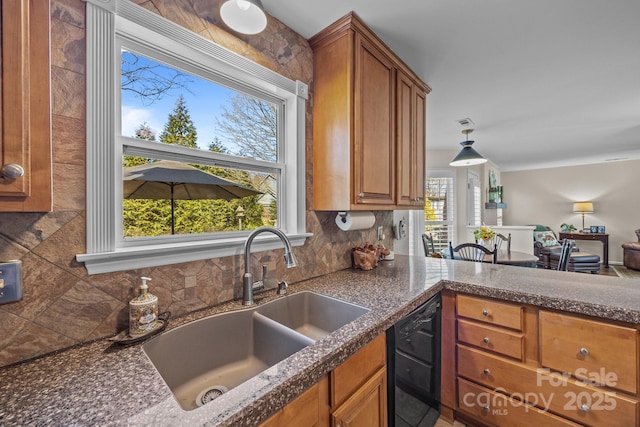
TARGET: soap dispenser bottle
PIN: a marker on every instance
(143, 311)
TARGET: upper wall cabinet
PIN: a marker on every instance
(25, 144)
(368, 123)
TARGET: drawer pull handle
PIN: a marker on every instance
(584, 408)
(486, 408)
(485, 312)
(486, 372)
(584, 351)
(485, 340)
(361, 195)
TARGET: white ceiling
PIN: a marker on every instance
(547, 82)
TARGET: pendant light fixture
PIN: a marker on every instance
(467, 156)
(244, 16)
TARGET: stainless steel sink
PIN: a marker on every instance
(205, 358)
(312, 314)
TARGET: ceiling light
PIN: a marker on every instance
(244, 16)
(467, 156)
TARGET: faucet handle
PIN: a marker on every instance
(282, 288)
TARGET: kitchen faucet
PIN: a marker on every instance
(247, 279)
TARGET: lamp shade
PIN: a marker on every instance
(244, 16)
(467, 156)
(583, 207)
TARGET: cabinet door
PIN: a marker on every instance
(419, 97)
(374, 179)
(307, 410)
(367, 407)
(405, 136)
(410, 143)
(25, 125)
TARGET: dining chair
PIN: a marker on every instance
(473, 252)
(500, 239)
(565, 254)
(427, 242)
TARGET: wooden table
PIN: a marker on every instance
(515, 258)
(602, 237)
(522, 259)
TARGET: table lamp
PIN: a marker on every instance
(582, 208)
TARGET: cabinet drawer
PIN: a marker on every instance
(562, 396)
(494, 339)
(357, 369)
(499, 410)
(489, 311)
(591, 350)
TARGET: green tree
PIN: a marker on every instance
(179, 128)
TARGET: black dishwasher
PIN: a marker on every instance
(413, 357)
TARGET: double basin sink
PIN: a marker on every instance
(203, 359)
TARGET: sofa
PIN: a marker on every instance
(547, 247)
(631, 253)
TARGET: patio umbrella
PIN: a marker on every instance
(166, 179)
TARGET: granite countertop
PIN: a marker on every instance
(104, 384)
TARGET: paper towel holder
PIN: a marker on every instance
(343, 216)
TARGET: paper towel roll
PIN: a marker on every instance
(355, 220)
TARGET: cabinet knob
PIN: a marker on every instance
(361, 195)
(584, 351)
(486, 408)
(584, 407)
(485, 340)
(12, 171)
(486, 372)
(485, 312)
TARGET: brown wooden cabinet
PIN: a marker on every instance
(368, 141)
(359, 388)
(310, 409)
(352, 395)
(411, 102)
(26, 117)
(513, 361)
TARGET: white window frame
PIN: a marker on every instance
(114, 23)
(451, 206)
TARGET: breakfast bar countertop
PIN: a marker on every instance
(101, 383)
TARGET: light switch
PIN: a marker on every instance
(10, 281)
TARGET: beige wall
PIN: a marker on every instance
(545, 196)
(62, 304)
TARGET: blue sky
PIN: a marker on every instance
(203, 98)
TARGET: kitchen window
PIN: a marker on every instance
(262, 185)
(440, 208)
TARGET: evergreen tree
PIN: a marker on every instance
(179, 128)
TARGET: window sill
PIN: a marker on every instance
(174, 253)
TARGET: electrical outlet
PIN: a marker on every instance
(380, 233)
(10, 281)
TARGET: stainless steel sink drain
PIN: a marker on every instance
(209, 394)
